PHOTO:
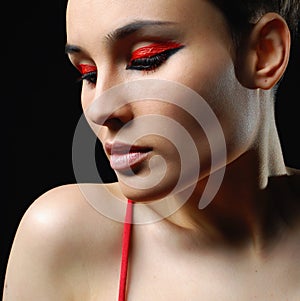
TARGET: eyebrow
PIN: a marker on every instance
(72, 49)
(128, 29)
(122, 32)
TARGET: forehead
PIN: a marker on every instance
(102, 16)
(131, 8)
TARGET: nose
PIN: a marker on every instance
(117, 118)
(110, 107)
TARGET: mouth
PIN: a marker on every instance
(124, 156)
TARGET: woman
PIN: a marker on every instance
(181, 95)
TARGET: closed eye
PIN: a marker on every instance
(88, 73)
(146, 58)
(90, 77)
(152, 56)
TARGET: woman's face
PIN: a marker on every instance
(115, 42)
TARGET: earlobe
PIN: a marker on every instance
(266, 55)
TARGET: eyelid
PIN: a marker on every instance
(154, 49)
(86, 68)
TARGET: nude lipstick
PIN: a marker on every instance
(124, 157)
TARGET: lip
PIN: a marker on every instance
(124, 156)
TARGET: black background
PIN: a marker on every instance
(41, 107)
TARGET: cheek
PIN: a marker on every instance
(87, 96)
(102, 133)
(236, 107)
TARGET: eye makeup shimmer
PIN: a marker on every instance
(85, 68)
(154, 49)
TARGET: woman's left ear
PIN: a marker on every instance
(265, 56)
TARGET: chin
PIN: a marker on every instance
(142, 195)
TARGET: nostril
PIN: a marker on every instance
(113, 113)
(119, 117)
(113, 124)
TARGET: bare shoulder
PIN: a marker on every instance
(58, 234)
(66, 213)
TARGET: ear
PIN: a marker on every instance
(265, 55)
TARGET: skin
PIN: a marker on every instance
(245, 245)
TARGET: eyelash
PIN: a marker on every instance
(88, 73)
(141, 64)
(90, 77)
(153, 62)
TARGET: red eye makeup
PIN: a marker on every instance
(146, 58)
(154, 49)
(88, 73)
(152, 56)
(85, 68)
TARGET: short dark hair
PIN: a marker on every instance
(242, 14)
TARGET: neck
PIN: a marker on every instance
(247, 207)
(243, 210)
